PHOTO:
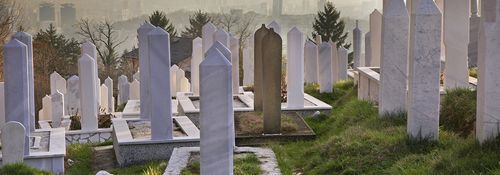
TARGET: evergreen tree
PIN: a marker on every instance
(159, 19)
(329, 26)
(67, 51)
(197, 21)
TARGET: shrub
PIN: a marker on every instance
(458, 111)
(21, 169)
(473, 72)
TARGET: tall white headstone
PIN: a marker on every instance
(295, 75)
(73, 96)
(368, 50)
(89, 107)
(2, 104)
(343, 59)
(335, 63)
(17, 86)
(325, 68)
(27, 39)
(208, 31)
(356, 33)
(135, 87)
(473, 34)
(109, 84)
(216, 114)
(196, 58)
(375, 37)
(185, 85)
(123, 89)
(47, 108)
(424, 70)
(13, 150)
(145, 75)
(488, 93)
(394, 65)
(90, 49)
(310, 62)
(223, 37)
(456, 39)
(235, 61)
(137, 76)
(161, 115)
(248, 62)
(57, 109)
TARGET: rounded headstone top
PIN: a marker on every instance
(73, 78)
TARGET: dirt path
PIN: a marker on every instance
(103, 158)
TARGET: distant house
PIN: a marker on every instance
(180, 54)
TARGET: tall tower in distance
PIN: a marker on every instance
(277, 8)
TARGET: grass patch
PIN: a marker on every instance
(353, 139)
(152, 168)
(473, 72)
(81, 155)
(244, 164)
(458, 111)
(253, 123)
(21, 169)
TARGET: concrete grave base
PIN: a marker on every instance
(47, 150)
(131, 150)
(133, 109)
(180, 159)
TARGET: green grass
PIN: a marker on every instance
(458, 111)
(152, 168)
(473, 72)
(249, 164)
(353, 139)
(21, 169)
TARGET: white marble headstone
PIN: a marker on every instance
(47, 106)
(196, 58)
(104, 99)
(144, 65)
(13, 134)
(57, 109)
(123, 89)
(73, 96)
(295, 73)
(235, 61)
(356, 33)
(88, 96)
(223, 37)
(208, 31)
(134, 90)
(325, 67)
(109, 84)
(375, 37)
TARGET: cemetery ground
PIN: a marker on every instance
(353, 139)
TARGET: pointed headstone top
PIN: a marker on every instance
(324, 44)
(55, 74)
(197, 40)
(86, 58)
(174, 67)
(310, 44)
(88, 44)
(108, 80)
(376, 12)
(21, 35)
(273, 24)
(395, 8)
(209, 26)
(295, 30)
(14, 43)
(214, 57)
(223, 49)
(57, 94)
(221, 32)
(147, 25)
(158, 32)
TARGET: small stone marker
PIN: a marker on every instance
(295, 73)
(271, 56)
(208, 31)
(196, 58)
(258, 54)
(356, 33)
(173, 79)
(161, 114)
(47, 106)
(178, 78)
(73, 96)
(144, 65)
(104, 99)
(57, 109)
(325, 67)
(393, 72)
(88, 97)
(109, 84)
(424, 70)
(17, 86)
(134, 90)
(13, 143)
(216, 114)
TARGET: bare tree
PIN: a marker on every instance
(104, 36)
(240, 25)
